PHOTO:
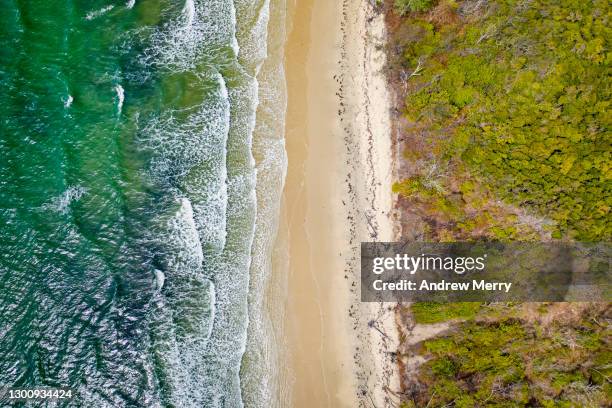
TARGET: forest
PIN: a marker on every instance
(503, 123)
(512, 97)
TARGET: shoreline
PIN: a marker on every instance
(262, 376)
(337, 194)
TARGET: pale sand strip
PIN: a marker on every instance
(337, 194)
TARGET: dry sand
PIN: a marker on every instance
(337, 194)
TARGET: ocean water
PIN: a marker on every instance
(141, 164)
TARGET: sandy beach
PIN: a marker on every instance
(337, 194)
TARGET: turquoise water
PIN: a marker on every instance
(128, 197)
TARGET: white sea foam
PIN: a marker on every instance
(160, 278)
(120, 96)
(189, 12)
(252, 39)
(193, 150)
(194, 37)
(203, 157)
(185, 309)
(62, 203)
(231, 270)
(187, 255)
(95, 14)
(261, 380)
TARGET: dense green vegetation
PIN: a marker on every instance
(406, 6)
(510, 362)
(465, 212)
(506, 131)
(429, 312)
(515, 95)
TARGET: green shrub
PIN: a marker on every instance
(409, 6)
(522, 94)
(509, 362)
(430, 312)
